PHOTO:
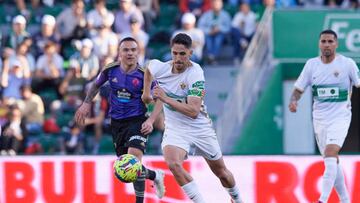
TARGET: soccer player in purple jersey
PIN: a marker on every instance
(129, 125)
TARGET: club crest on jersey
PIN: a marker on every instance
(135, 82)
(182, 85)
(114, 80)
(336, 74)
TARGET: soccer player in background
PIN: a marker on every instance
(331, 77)
(127, 111)
(181, 89)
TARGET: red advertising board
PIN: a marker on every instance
(89, 179)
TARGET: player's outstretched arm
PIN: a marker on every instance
(146, 96)
(84, 110)
(148, 126)
(295, 97)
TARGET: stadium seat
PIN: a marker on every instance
(106, 145)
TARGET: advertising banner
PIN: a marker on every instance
(296, 32)
(90, 179)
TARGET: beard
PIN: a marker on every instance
(327, 53)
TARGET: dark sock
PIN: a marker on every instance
(139, 187)
(149, 174)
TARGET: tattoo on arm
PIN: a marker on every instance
(296, 95)
(94, 89)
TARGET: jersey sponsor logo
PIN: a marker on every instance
(336, 73)
(328, 92)
(123, 95)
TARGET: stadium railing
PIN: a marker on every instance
(253, 71)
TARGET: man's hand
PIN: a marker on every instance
(82, 112)
(147, 127)
(293, 106)
(159, 93)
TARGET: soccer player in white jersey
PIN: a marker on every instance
(181, 90)
(331, 77)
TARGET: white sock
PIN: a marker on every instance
(340, 186)
(192, 191)
(234, 192)
(328, 177)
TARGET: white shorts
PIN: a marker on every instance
(331, 133)
(205, 143)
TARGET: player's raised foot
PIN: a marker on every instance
(159, 183)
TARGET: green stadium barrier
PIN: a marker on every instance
(296, 32)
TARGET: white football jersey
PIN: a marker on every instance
(331, 86)
(180, 86)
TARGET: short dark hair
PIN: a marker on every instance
(183, 39)
(25, 87)
(328, 31)
(127, 39)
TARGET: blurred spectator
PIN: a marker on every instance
(32, 108)
(196, 7)
(14, 75)
(74, 140)
(141, 37)
(72, 89)
(49, 69)
(46, 34)
(18, 33)
(215, 23)
(97, 120)
(243, 29)
(188, 22)
(150, 10)
(333, 3)
(122, 17)
(71, 23)
(105, 42)
(14, 133)
(88, 62)
(96, 17)
(21, 5)
(22, 54)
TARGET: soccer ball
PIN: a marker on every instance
(127, 168)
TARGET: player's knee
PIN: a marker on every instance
(174, 166)
(222, 173)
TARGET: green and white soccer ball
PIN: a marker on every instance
(127, 168)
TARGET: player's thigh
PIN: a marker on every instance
(337, 132)
(174, 154)
(207, 145)
(216, 166)
(134, 137)
(119, 137)
(175, 142)
(320, 135)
